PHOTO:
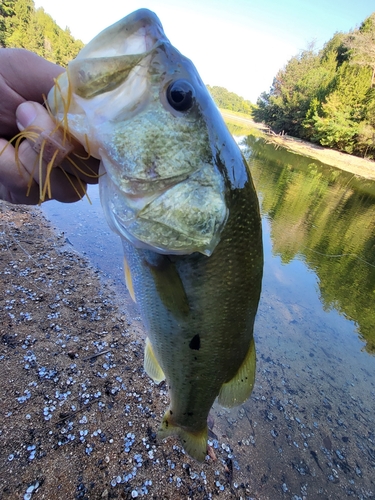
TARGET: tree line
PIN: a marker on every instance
(327, 96)
(229, 100)
(23, 26)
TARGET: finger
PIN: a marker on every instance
(53, 183)
(17, 185)
(78, 164)
(14, 65)
(23, 170)
(53, 144)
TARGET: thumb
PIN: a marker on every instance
(43, 152)
(47, 139)
(50, 140)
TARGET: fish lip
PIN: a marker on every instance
(135, 187)
(123, 211)
(139, 188)
(140, 244)
(134, 202)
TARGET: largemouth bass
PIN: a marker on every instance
(175, 187)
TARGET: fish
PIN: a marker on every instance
(175, 186)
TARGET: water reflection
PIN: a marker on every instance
(326, 218)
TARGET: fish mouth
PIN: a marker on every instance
(180, 218)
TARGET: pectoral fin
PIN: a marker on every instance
(151, 365)
(194, 443)
(239, 388)
(128, 280)
(169, 286)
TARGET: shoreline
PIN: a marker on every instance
(349, 163)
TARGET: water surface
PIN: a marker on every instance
(308, 429)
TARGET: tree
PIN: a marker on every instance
(340, 120)
(327, 97)
(6, 11)
(24, 27)
(18, 25)
(333, 128)
(229, 100)
(361, 43)
(284, 108)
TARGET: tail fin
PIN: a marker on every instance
(194, 443)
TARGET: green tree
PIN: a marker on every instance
(6, 11)
(229, 100)
(327, 97)
(18, 25)
(284, 108)
(59, 46)
(24, 27)
(335, 122)
(361, 43)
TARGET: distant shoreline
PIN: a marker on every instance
(353, 164)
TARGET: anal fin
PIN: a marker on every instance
(239, 388)
(151, 365)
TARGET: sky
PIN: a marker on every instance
(236, 44)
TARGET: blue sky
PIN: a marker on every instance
(237, 44)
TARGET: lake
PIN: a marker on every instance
(308, 430)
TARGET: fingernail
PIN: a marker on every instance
(25, 115)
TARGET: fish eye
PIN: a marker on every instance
(180, 95)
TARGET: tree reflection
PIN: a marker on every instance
(325, 217)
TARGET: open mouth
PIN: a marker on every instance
(181, 217)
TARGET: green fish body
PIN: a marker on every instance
(176, 188)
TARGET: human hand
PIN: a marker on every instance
(24, 77)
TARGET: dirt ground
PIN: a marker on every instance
(78, 415)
